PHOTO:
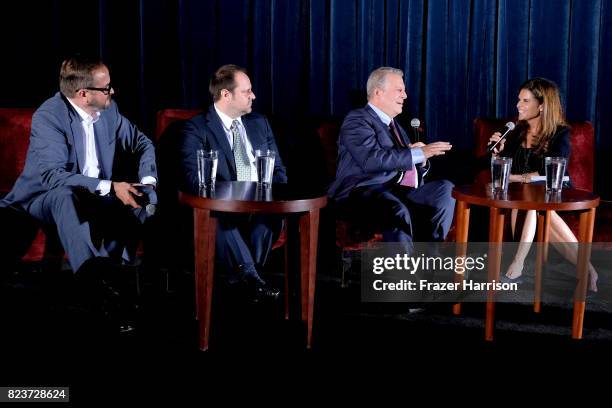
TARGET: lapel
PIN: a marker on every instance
(105, 144)
(213, 122)
(76, 137)
(254, 137)
(387, 129)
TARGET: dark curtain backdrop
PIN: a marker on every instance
(308, 58)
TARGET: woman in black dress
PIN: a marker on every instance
(541, 132)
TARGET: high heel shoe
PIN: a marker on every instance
(593, 277)
(513, 269)
(505, 279)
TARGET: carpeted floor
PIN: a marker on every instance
(49, 339)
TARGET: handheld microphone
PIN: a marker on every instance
(509, 127)
(415, 123)
(148, 199)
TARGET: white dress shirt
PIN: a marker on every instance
(91, 168)
(227, 124)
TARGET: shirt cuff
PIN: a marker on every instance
(418, 157)
(104, 187)
(148, 180)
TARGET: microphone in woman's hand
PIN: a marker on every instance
(509, 127)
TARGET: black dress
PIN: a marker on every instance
(525, 160)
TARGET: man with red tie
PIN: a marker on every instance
(380, 173)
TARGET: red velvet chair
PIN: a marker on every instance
(166, 117)
(580, 168)
(15, 125)
(349, 239)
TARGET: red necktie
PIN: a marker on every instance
(410, 176)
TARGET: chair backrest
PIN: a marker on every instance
(580, 166)
(173, 245)
(167, 116)
(15, 126)
(328, 132)
(167, 134)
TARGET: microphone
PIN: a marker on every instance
(148, 199)
(509, 127)
(415, 123)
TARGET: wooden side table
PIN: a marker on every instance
(528, 197)
(248, 198)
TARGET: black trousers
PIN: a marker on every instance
(245, 241)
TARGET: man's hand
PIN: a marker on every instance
(125, 192)
(435, 149)
(493, 139)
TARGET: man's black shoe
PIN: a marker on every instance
(126, 328)
(119, 314)
(103, 297)
(265, 293)
(117, 323)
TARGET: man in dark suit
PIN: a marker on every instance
(230, 128)
(380, 173)
(82, 157)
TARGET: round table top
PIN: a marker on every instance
(529, 196)
(249, 197)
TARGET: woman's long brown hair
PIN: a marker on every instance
(552, 116)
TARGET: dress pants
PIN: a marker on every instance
(88, 225)
(244, 242)
(403, 214)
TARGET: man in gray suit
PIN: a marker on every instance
(82, 162)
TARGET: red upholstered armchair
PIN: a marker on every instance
(349, 239)
(15, 125)
(580, 168)
(166, 117)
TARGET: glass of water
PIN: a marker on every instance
(555, 169)
(207, 168)
(264, 161)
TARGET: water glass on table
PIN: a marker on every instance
(554, 168)
(500, 174)
(207, 168)
(264, 161)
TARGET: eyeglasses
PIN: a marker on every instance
(106, 90)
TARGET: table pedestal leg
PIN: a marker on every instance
(587, 220)
(309, 230)
(286, 271)
(542, 254)
(204, 229)
(496, 234)
(463, 223)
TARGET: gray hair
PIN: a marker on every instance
(378, 77)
